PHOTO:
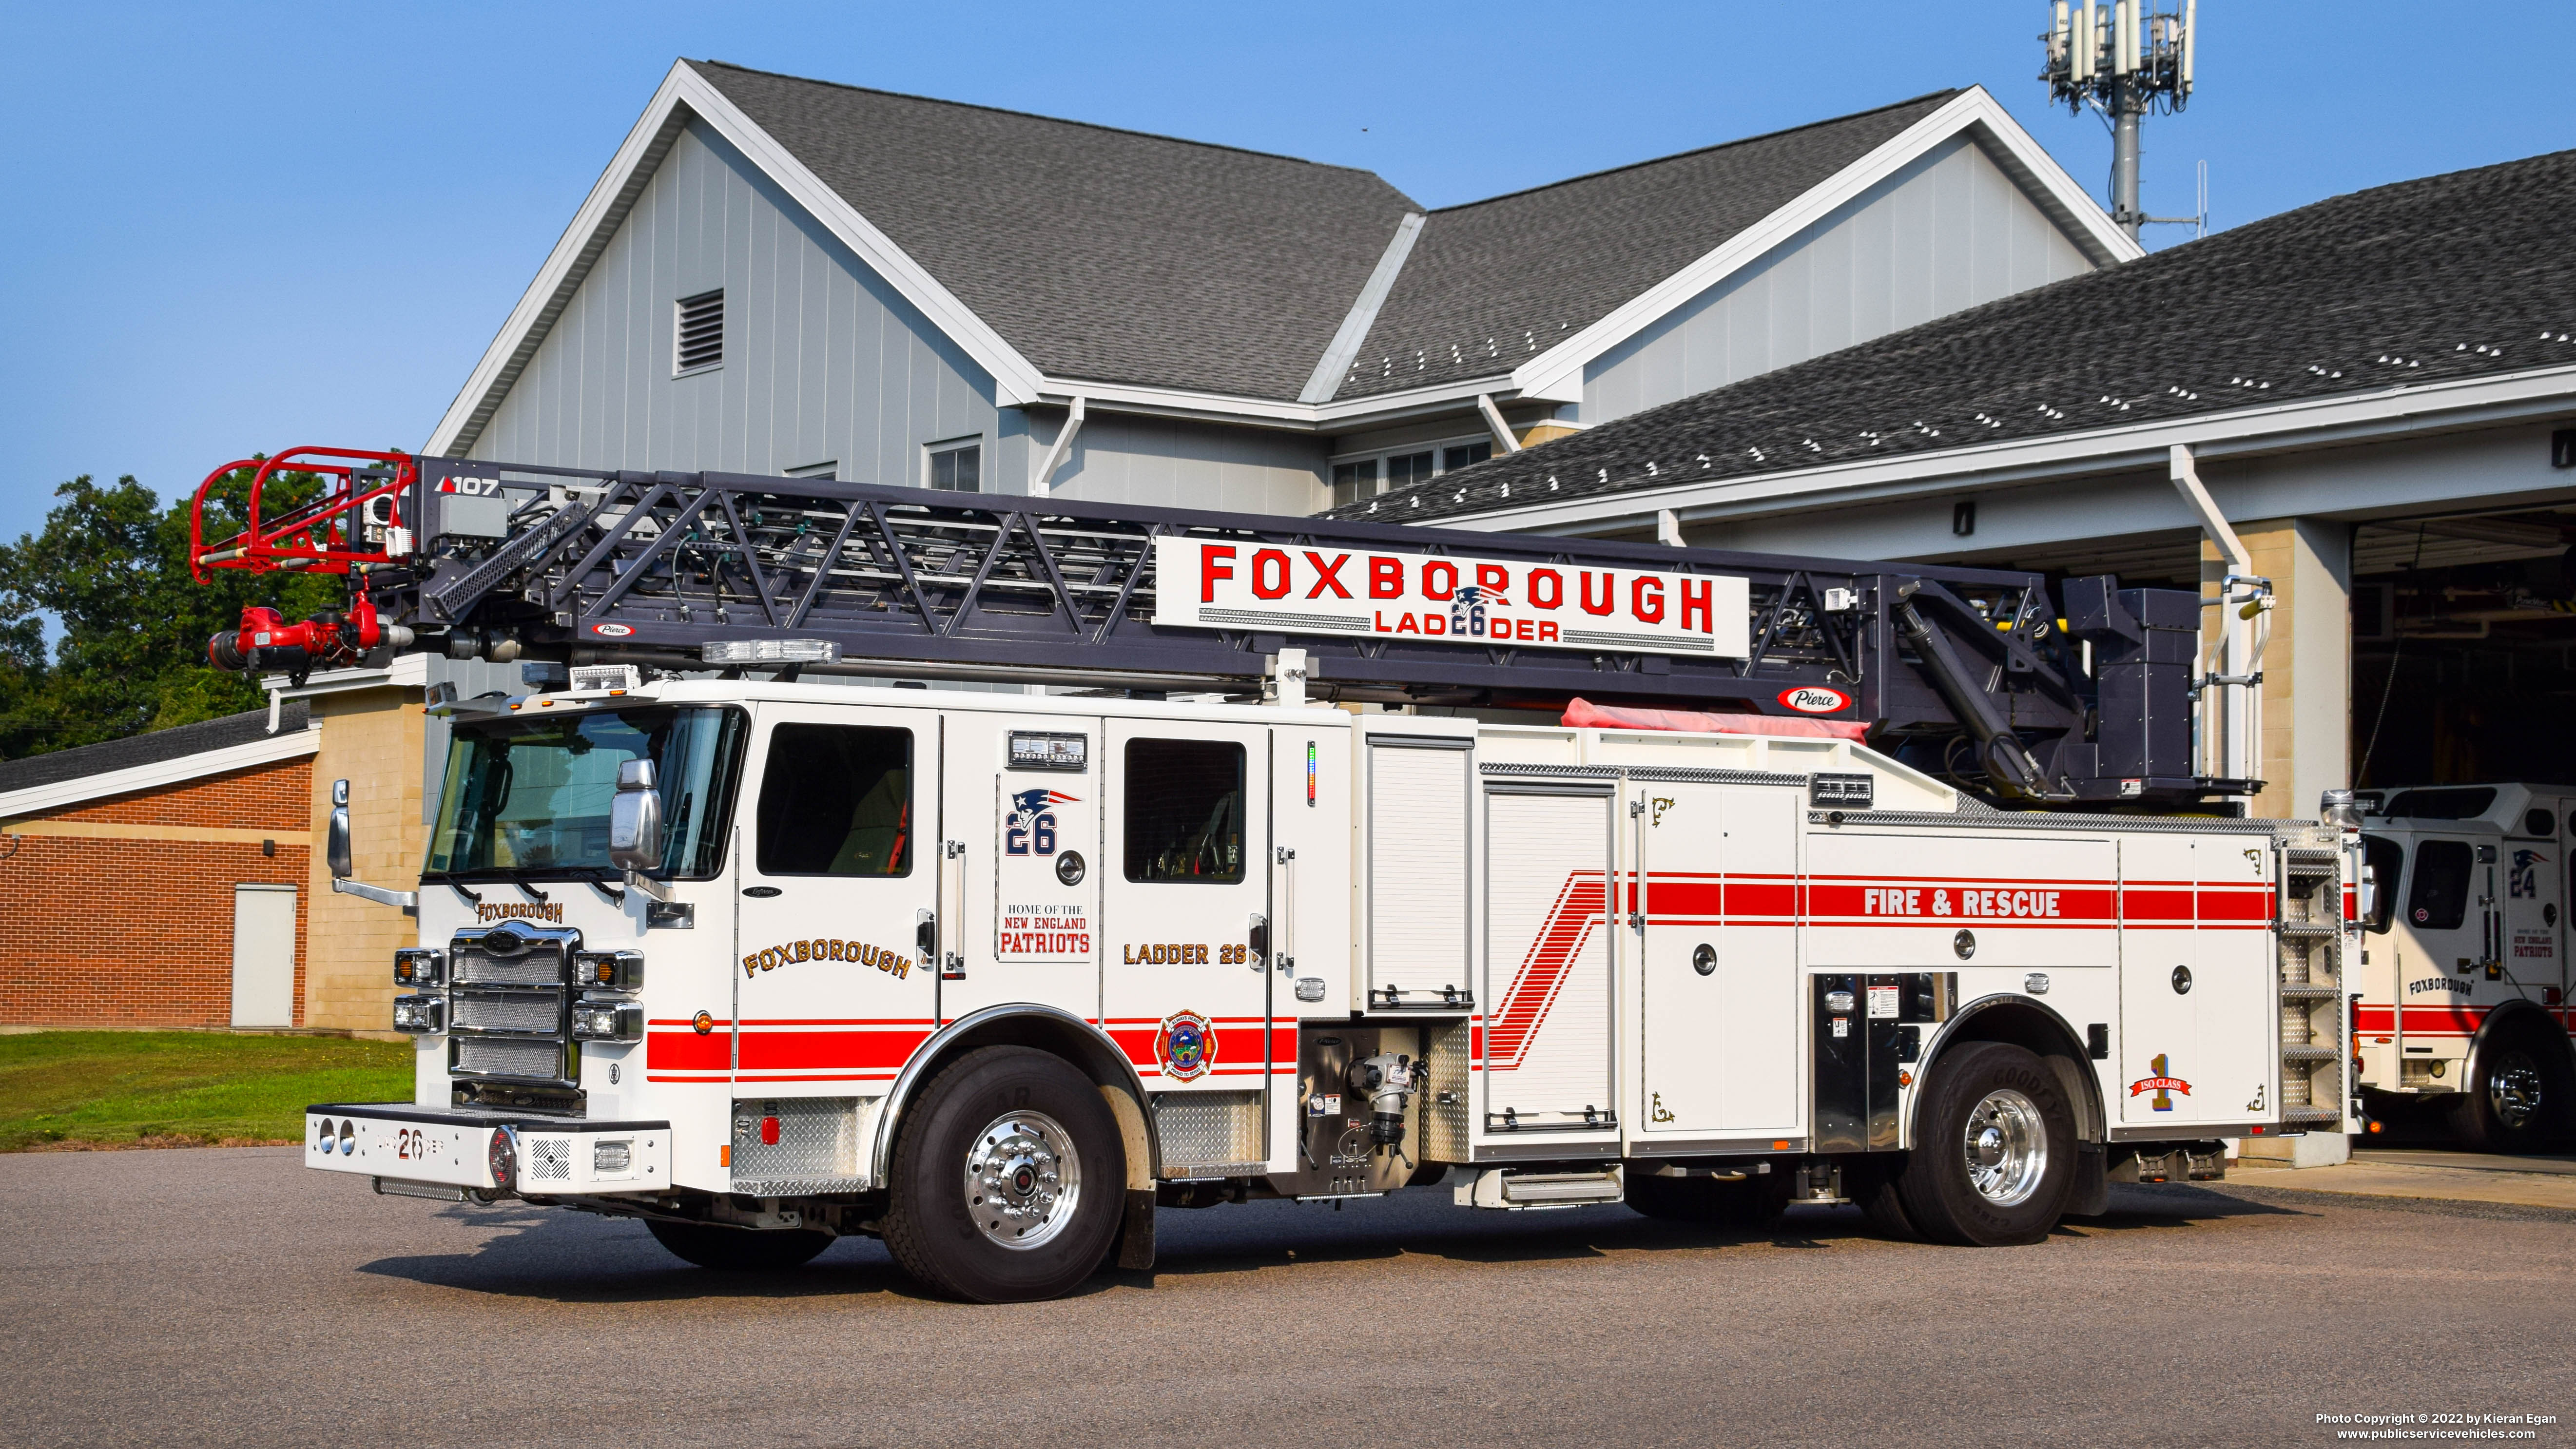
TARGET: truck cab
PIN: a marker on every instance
(2464, 979)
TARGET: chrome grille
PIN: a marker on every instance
(477, 968)
(1208, 1129)
(529, 1011)
(505, 1056)
(512, 953)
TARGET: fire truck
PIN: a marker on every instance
(1293, 858)
(2460, 996)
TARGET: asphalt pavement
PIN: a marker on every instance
(230, 1296)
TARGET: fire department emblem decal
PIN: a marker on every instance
(1186, 1046)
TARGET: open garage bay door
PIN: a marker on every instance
(2464, 649)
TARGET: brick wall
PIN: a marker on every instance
(372, 738)
(119, 912)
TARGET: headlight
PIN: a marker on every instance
(607, 1021)
(608, 970)
(421, 1015)
(420, 966)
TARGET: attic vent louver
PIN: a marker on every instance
(699, 341)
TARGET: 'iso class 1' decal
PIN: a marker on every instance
(612, 631)
(1815, 699)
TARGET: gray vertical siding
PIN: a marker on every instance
(1949, 231)
(823, 359)
(1175, 464)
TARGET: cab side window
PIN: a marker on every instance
(1184, 813)
(837, 800)
(2438, 898)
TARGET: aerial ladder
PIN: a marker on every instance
(2084, 699)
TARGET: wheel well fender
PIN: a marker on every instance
(2035, 1028)
(1049, 1029)
(2513, 1016)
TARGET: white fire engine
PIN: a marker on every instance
(762, 961)
(2461, 995)
(989, 976)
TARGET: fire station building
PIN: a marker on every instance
(2377, 394)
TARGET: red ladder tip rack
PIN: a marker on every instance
(326, 535)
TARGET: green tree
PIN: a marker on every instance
(111, 568)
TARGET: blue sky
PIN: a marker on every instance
(240, 228)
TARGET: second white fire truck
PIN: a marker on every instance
(2460, 996)
(763, 960)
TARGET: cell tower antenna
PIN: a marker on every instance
(2123, 58)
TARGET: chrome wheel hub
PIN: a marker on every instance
(1023, 1179)
(2513, 1089)
(2006, 1146)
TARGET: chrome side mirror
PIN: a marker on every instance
(336, 849)
(635, 818)
(2369, 902)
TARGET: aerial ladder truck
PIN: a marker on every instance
(1309, 858)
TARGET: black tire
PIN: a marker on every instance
(1754, 1204)
(2517, 1099)
(739, 1250)
(2015, 1097)
(951, 1240)
(1669, 1199)
(1871, 1184)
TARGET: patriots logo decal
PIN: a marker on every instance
(1027, 804)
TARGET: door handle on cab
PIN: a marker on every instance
(1258, 939)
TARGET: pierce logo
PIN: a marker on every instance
(1815, 699)
(611, 631)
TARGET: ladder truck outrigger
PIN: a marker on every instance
(1312, 859)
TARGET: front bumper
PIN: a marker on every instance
(399, 1144)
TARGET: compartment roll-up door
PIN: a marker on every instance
(1548, 1064)
(1419, 951)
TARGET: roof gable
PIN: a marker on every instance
(2460, 276)
(1494, 283)
(1064, 258)
(1100, 254)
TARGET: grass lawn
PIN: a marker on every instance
(183, 1088)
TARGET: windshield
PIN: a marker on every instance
(532, 795)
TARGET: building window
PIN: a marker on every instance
(1354, 481)
(697, 341)
(1407, 468)
(1358, 478)
(956, 467)
(1185, 811)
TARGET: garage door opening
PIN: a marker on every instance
(2464, 650)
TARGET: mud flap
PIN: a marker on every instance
(2089, 1195)
(1135, 1249)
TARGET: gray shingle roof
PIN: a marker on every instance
(1493, 283)
(150, 748)
(2461, 275)
(1099, 254)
